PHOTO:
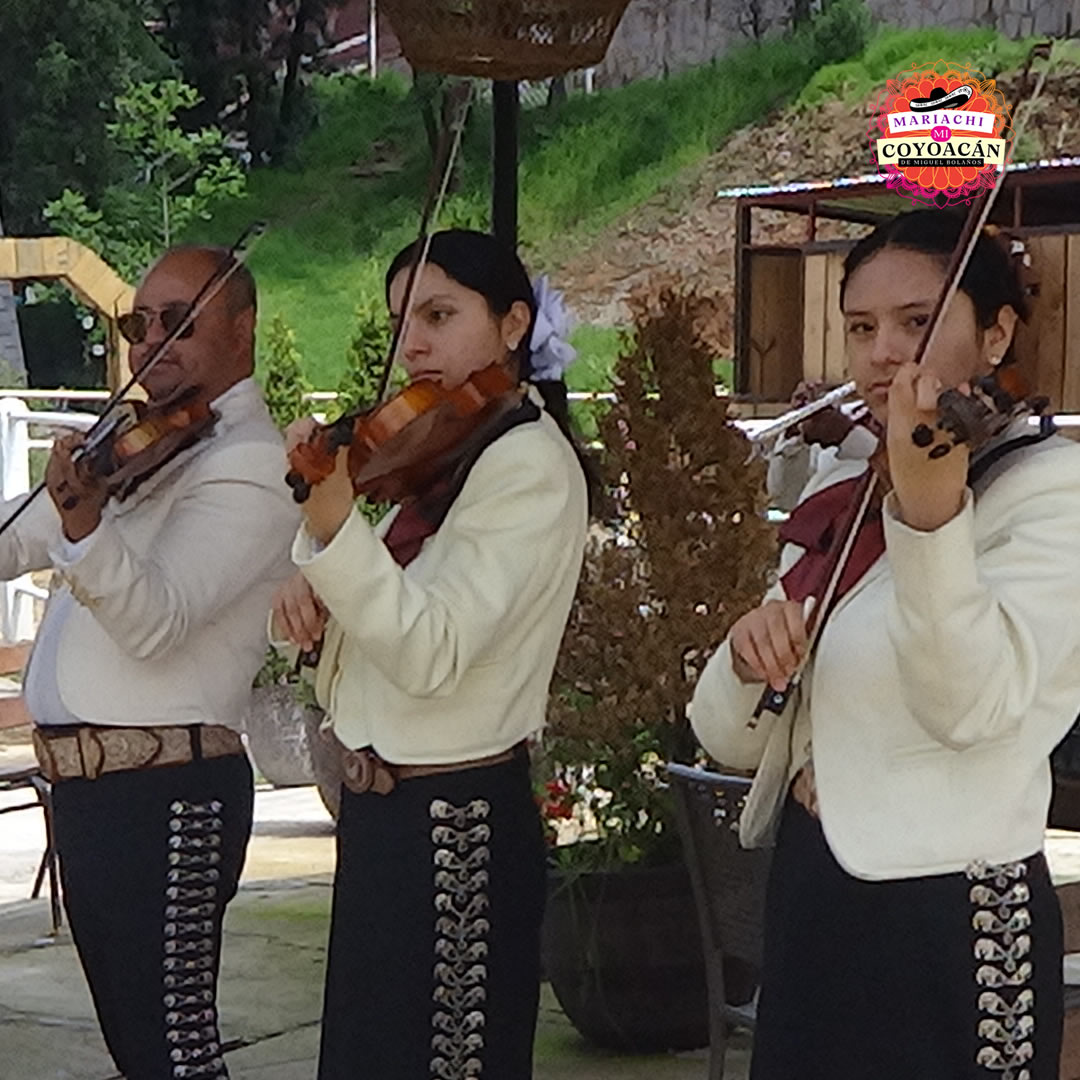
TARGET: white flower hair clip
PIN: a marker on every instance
(551, 353)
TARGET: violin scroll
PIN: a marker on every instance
(996, 401)
(313, 461)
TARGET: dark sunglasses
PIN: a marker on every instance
(136, 324)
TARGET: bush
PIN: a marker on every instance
(686, 552)
(841, 30)
(284, 383)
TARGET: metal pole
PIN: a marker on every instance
(373, 39)
(743, 378)
(11, 348)
(504, 161)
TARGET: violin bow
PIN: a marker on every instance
(438, 185)
(775, 701)
(341, 429)
(230, 263)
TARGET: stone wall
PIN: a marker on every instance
(658, 37)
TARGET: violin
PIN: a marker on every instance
(397, 448)
(138, 438)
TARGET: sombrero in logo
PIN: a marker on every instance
(942, 99)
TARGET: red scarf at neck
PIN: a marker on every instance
(813, 525)
(421, 518)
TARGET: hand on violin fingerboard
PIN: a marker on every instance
(78, 493)
(929, 490)
(331, 500)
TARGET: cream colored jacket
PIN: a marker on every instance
(942, 682)
(172, 587)
(451, 658)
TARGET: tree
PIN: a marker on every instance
(172, 179)
(283, 380)
(309, 18)
(223, 48)
(61, 65)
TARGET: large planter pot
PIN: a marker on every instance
(277, 736)
(623, 952)
(287, 747)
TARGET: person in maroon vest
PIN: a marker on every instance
(911, 929)
(440, 631)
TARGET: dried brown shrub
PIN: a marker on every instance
(687, 552)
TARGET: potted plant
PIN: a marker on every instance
(685, 551)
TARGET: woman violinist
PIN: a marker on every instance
(911, 929)
(443, 625)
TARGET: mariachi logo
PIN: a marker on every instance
(940, 133)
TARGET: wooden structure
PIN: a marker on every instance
(787, 314)
(93, 281)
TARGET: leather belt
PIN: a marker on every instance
(89, 751)
(365, 771)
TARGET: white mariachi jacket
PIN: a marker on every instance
(941, 684)
(450, 658)
(171, 589)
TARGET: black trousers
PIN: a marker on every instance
(950, 977)
(434, 964)
(148, 861)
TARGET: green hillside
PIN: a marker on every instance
(582, 164)
(351, 196)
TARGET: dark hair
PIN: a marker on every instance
(989, 279)
(483, 263)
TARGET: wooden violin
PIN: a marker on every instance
(396, 448)
(138, 438)
(995, 402)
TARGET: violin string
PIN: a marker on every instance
(432, 209)
(228, 266)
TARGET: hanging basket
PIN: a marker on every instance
(504, 39)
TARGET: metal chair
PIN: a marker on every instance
(23, 776)
(729, 887)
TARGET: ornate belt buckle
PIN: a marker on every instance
(91, 752)
(364, 771)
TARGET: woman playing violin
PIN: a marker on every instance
(911, 929)
(441, 631)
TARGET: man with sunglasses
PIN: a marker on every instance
(142, 670)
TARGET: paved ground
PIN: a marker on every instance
(273, 966)
(272, 969)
